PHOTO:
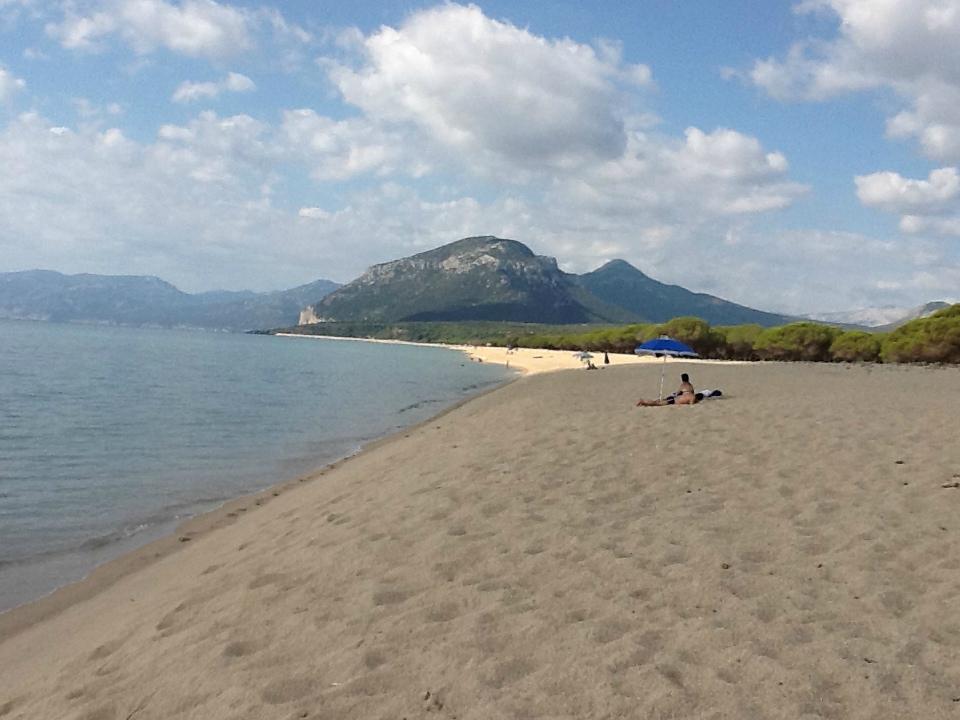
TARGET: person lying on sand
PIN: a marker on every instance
(686, 395)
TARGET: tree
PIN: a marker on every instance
(856, 345)
(694, 332)
(932, 339)
(738, 341)
(797, 341)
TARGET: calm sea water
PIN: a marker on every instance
(109, 436)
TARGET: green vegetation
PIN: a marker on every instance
(931, 339)
(796, 341)
(856, 346)
(738, 341)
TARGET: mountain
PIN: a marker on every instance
(921, 311)
(477, 278)
(879, 318)
(147, 301)
(620, 283)
(489, 278)
(862, 317)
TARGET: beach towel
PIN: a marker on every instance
(702, 395)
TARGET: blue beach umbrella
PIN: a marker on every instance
(662, 347)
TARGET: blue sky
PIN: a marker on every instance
(799, 157)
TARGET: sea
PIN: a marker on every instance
(110, 436)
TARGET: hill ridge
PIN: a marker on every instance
(485, 277)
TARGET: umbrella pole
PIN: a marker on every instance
(663, 367)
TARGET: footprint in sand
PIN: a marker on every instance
(607, 631)
(105, 712)
(448, 571)
(389, 596)
(288, 689)
(169, 623)
(729, 675)
(267, 579)
(239, 648)
(508, 672)
(443, 612)
(493, 509)
(373, 659)
(106, 649)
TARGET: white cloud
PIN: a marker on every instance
(893, 192)
(192, 208)
(341, 149)
(451, 89)
(917, 224)
(706, 178)
(909, 46)
(234, 82)
(314, 213)
(196, 207)
(235, 151)
(806, 271)
(929, 206)
(198, 28)
(728, 155)
(9, 84)
(486, 87)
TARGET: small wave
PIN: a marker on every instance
(95, 543)
(99, 542)
(417, 405)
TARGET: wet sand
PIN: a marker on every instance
(548, 550)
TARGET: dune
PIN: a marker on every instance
(548, 550)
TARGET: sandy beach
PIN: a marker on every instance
(548, 550)
(529, 361)
(533, 361)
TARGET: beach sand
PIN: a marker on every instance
(532, 361)
(548, 550)
(526, 360)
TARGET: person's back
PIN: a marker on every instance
(686, 395)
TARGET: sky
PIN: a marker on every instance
(797, 157)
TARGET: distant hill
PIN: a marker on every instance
(620, 283)
(147, 301)
(489, 278)
(880, 318)
(478, 278)
(921, 311)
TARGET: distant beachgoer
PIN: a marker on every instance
(606, 358)
(685, 395)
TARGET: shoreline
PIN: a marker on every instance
(179, 532)
(531, 361)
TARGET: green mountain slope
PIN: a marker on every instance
(488, 278)
(620, 283)
(478, 278)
